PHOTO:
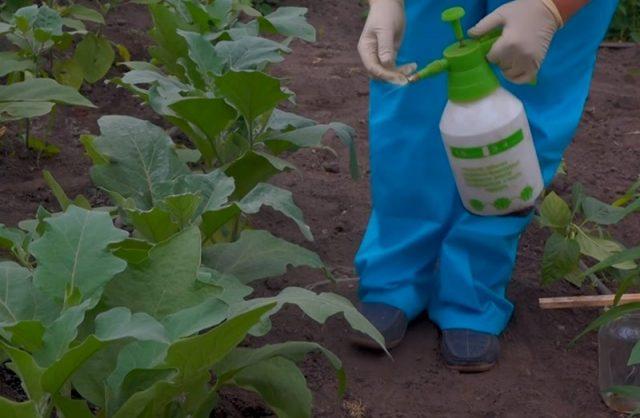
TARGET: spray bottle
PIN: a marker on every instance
(484, 129)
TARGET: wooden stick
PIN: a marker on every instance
(599, 301)
(618, 45)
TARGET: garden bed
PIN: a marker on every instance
(538, 374)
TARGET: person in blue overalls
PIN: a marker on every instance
(422, 250)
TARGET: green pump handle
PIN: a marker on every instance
(441, 65)
(454, 16)
(465, 53)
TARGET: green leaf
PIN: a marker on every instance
(11, 409)
(66, 38)
(213, 220)
(149, 386)
(214, 187)
(69, 72)
(135, 355)
(95, 55)
(182, 207)
(278, 199)
(295, 351)
(604, 214)
(118, 323)
(73, 253)
(258, 255)
(14, 240)
(42, 147)
(289, 21)
(561, 256)
(281, 384)
(4, 28)
(192, 320)
(48, 20)
(232, 290)
(133, 251)
(62, 332)
(20, 110)
(347, 136)
(253, 168)
(11, 62)
(19, 299)
(88, 141)
(27, 334)
(42, 90)
(89, 379)
(15, 293)
(286, 121)
(577, 197)
(201, 352)
(251, 52)
(609, 316)
(318, 307)
(203, 54)
(167, 282)
(555, 212)
(72, 408)
(601, 249)
(627, 255)
(197, 112)
(634, 358)
(27, 369)
(311, 135)
(141, 157)
(56, 189)
(220, 12)
(84, 13)
(60, 371)
(155, 224)
(171, 46)
(251, 93)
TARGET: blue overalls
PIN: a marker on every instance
(422, 250)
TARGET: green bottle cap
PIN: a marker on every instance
(470, 76)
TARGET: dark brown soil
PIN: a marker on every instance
(538, 376)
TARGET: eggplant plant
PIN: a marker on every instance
(579, 236)
(42, 48)
(581, 248)
(141, 328)
(207, 77)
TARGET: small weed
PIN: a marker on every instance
(354, 408)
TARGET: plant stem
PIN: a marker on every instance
(600, 286)
(236, 228)
(27, 131)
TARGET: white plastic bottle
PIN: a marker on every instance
(491, 153)
(485, 130)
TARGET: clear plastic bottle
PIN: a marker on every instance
(615, 343)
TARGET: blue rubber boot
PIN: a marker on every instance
(469, 351)
(390, 321)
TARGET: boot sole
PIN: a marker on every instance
(472, 368)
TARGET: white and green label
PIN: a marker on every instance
(495, 148)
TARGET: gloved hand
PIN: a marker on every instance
(380, 40)
(528, 27)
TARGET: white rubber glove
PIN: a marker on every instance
(528, 28)
(380, 40)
